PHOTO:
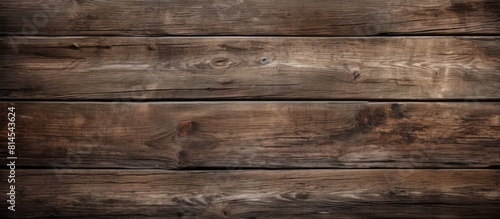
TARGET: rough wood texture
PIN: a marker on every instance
(249, 17)
(257, 135)
(251, 68)
(235, 159)
(257, 194)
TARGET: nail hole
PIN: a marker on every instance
(75, 46)
(357, 75)
(182, 154)
(265, 61)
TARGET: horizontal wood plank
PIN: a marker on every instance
(106, 68)
(256, 194)
(256, 135)
(249, 17)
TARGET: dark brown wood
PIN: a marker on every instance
(313, 135)
(249, 17)
(236, 135)
(251, 68)
(256, 194)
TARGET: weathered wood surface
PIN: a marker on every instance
(251, 68)
(235, 159)
(256, 135)
(249, 17)
(257, 194)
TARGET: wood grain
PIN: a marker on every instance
(307, 130)
(257, 194)
(233, 135)
(249, 17)
(108, 68)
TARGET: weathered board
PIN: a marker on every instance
(256, 194)
(107, 68)
(249, 17)
(256, 135)
(251, 108)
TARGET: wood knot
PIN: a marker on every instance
(220, 63)
(184, 128)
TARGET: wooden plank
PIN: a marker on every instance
(256, 194)
(249, 17)
(236, 135)
(251, 68)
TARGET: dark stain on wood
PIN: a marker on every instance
(461, 7)
(371, 117)
(396, 111)
(464, 7)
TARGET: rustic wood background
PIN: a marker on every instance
(252, 108)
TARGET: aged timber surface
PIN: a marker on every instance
(257, 194)
(249, 17)
(251, 68)
(256, 135)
